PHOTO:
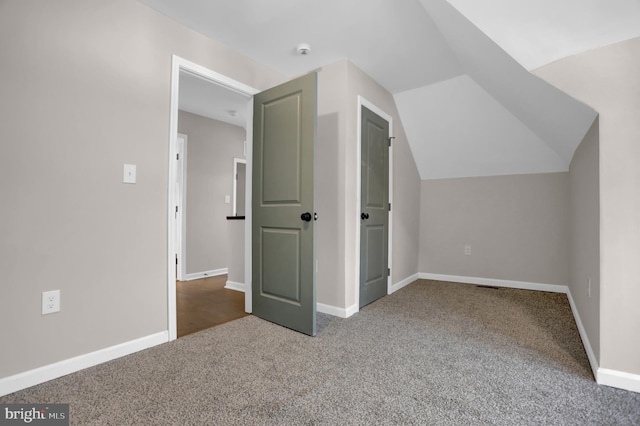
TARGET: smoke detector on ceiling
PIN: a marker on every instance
(303, 49)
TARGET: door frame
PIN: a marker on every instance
(178, 65)
(362, 102)
(235, 183)
(181, 214)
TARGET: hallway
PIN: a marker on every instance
(205, 303)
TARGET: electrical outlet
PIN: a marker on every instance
(467, 250)
(589, 287)
(50, 302)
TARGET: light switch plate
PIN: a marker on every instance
(129, 173)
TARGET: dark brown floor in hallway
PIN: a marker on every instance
(205, 303)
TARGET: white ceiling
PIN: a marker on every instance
(202, 97)
(538, 32)
(457, 68)
(382, 37)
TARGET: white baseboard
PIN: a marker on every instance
(523, 285)
(618, 379)
(353, 309)
(232, 285)
(347, 312)
(206, 274)
(53, 371)
(335, 311)
(593, 361)
(604, 376)
(400, 284)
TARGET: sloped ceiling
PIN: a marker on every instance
(538, 32)
(534, 107)
(452, 131)
(467, 102)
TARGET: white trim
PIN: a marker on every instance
(248, 216)
(553, 288)
(234, 211)
(178, 65)
(335, 311)
(181, 202)
(400, 284)
(353, 309)
(206, 274)
(232, 285)
(53, 371)
(172, 225)
(618, 379)
(603, 376)
(362, 102)
(593, 361)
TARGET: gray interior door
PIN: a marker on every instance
(374, 209)
(283, 249)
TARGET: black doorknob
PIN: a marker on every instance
(364, 216)
(306, 216)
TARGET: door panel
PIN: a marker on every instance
(281, 280)
(281, 146)
(283, 273)
(374, 209)
(376, 264)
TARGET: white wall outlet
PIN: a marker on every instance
(467, 250)
(50, 302)
(227, 199)
(129, 175)
(589, 287)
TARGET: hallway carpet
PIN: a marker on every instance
(433, 353)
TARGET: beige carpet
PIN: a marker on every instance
(432, 353)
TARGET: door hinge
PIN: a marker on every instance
(176, 209)
(390, 139)
(389, 206)
(388, 272)
(177, 156)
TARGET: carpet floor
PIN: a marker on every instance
(433, 353)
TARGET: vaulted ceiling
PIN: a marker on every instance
(458, 69)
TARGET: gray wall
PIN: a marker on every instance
(212, 145)
(330, 198)
(584, 265)
(236, 251)
(517, 227)
(86, 88)
(608, 80)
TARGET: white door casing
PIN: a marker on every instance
(179, 65)
(356, 219)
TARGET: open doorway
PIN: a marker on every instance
(212, 115)
(206, 302)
